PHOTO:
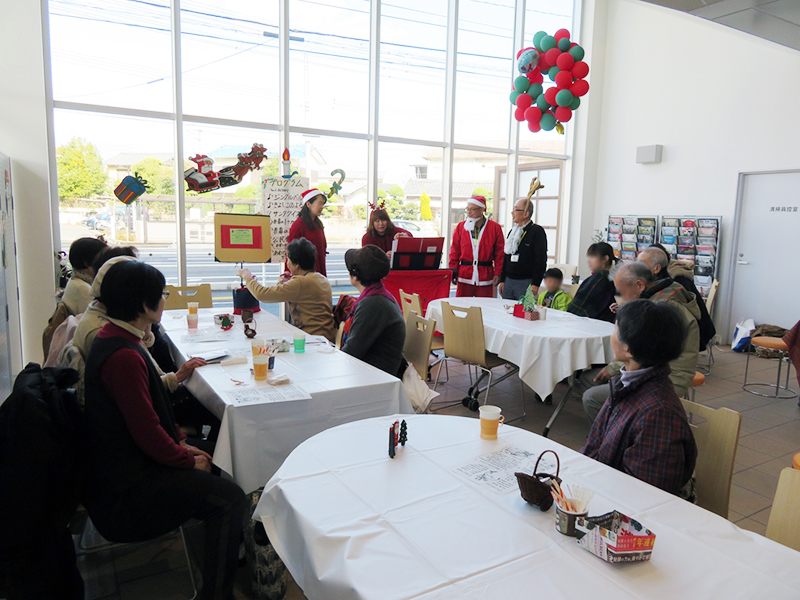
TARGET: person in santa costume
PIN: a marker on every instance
(308, 225)
(476, 254)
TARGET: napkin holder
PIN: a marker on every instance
(535, 489)
(614, 537)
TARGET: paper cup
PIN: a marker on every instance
(193, 306)
(192, 320)
(299, 342)
(260, 367)
(491, 419)
(259, 347)
(565, 521)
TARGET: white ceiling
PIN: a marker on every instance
(774, 20)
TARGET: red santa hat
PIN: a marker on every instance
(309, 195)
(479, 201)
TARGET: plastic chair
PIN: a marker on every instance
(717, 439)
(784, 517)
(411, 303)
(179, 297)
(796, 461)
(698, 380)
(419, 335)
(464, 340)
(782, 392)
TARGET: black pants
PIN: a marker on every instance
(168, 498)
(47, 570)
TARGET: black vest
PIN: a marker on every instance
(115, 462)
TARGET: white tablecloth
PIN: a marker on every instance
(349, 522)
(256, 438)
(545, 351)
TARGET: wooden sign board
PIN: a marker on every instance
(282, 200)
(242, 238)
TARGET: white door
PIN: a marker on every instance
(766, 277)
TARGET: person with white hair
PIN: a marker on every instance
(525, 254)
(634, 280)
(477, 252)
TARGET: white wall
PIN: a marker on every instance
(24, 138)
(720, 101)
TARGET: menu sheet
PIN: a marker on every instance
(279, 393)
(495, 470)
(206, 336)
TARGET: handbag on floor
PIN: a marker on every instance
(741, 335)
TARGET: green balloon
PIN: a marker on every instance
(553, 72)
(522, 83)
(535, 90)
(543, 104)
(548, 43)
(537, 39)
(564, 44)
(576, 102)
(564, 98)
(577, 52)
(548, 121)
(513, 97)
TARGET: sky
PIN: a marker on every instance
(118, 53)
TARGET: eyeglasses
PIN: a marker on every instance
(519, 210)
(165, 293)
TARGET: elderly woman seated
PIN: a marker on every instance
(308, 293)
(376, 331)
(143, 479)
(642, 428)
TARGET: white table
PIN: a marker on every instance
(351, 523)
(545, 351)
(256, 438)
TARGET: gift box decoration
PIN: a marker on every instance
(616, 538)
(130, 188)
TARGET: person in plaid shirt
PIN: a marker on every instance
(642, 428)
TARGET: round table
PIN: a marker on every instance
(545, 351)
(350, 522)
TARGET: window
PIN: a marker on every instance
(476, 174)
(421, 171)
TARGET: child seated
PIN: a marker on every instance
(553, 296)
(642, 428)
(596, 294)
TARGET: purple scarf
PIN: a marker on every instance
(376, 289)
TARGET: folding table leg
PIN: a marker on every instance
(561, 405)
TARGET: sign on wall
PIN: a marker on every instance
(282, 199)
(241, 238)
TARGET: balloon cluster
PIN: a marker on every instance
(562, 61)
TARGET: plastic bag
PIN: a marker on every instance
(418, 391)
(741, 335)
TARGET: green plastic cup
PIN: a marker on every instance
(299, 342)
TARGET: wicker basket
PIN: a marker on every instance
(535, 489)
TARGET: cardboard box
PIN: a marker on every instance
(616, 538)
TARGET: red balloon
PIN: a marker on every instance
(579, 70)
(565, 61)
(524, 101)
(533, 114)
(535, 76)
(550, 95)
(579, 88)
(563, 80)
(563, 114)
(561, 33)
(571, 46)
(534, 126)
(552, 56)
(523, 50)
(543, 65)
(519, 114)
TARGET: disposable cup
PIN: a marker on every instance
(491, 420)
(565, 521)
(193, 306)
(260, 367)
(258, 347)
(192, 320)
(299, 342)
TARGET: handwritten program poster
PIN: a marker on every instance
(281, 201)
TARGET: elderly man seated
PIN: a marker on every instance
(634, 280)
(663, 267)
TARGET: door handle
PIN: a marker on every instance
(742, 262)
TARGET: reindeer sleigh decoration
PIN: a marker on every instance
(203, 178)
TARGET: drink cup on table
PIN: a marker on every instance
(260, 367)
(193, 306)
(299, 340)
(259, 347)
(491, 420)
(192, 320)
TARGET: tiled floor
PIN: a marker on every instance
(769, 437)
